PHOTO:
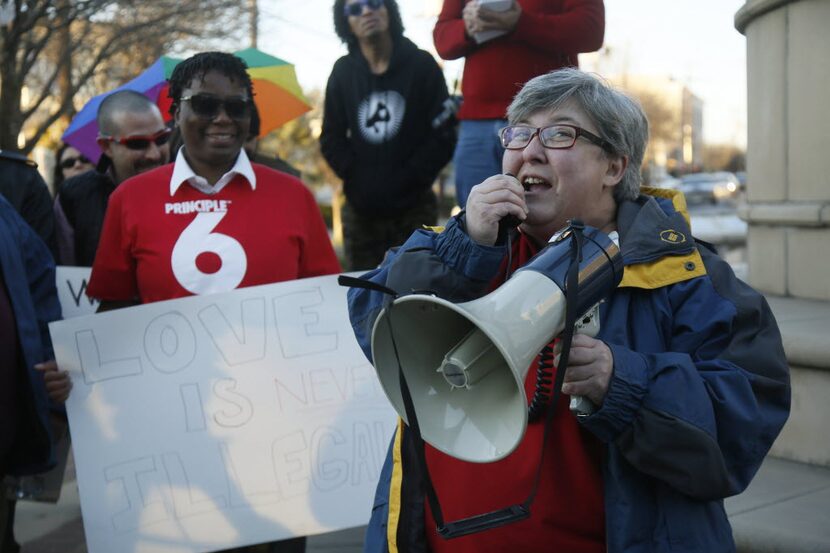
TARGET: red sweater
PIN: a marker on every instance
(548, 36)
(568, 513)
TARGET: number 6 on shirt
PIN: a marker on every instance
(197, 239)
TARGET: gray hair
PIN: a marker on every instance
(619, 118)
(122, 101)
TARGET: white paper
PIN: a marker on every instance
(211, 422)
(496, 6)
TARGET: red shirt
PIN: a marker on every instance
(156, 245)
(568, 513)
(548, 36)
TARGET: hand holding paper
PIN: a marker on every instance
(488, 19)
(58, 383)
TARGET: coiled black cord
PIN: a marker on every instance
(544, 384)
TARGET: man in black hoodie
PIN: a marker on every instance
(385, 129)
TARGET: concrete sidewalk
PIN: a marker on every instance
(785, 510)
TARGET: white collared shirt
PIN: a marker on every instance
(183, 172)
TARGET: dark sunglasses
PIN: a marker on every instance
(69, 162)
(356, 8)
(207, 106)
(142, 142)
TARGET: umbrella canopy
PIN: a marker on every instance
(277, 95)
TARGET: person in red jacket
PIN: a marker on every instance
(505, 43)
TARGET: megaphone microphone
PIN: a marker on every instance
(465, 364)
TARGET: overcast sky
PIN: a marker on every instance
(693, 41)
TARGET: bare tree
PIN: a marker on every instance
(663, 122)
(724, 157)
(55, 49)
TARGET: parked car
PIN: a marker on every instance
(709, 188)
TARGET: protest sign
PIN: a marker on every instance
(71, 283)
(210, 422)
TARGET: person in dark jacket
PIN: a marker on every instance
(26, 191)
(29, 379)
(383, 133)
(133, 139)
(687, 374)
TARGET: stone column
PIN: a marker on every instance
(788, 193)
(788, 154)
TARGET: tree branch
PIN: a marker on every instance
(103, 33)
(46, 92)
(43, 127)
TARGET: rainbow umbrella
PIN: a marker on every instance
(277, 95)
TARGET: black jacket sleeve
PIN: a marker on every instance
(334, 142)
(436, 150)
(26, 190)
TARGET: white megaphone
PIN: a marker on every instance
(465, 364)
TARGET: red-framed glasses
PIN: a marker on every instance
(141, 142)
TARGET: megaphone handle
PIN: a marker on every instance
(588, 325)
(581, 406)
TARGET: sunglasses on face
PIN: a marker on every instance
(207, 106)
(69, 162)
(356, 8)
(142, 142)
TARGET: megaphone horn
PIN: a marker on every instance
(465, 364)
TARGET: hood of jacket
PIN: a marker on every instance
(402, 48)
(656, 240)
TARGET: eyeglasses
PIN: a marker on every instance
(557, 137)
(142, 142)
(356, 8)
(69, 162)
(207, 106)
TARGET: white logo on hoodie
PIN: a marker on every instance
(380, 115)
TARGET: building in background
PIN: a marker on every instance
(675, 117)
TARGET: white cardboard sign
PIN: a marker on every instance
(211, 422)
(71, 283)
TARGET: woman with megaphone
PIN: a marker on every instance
(686, 376)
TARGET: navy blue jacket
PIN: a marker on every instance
(700, 387)
(29, 272)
